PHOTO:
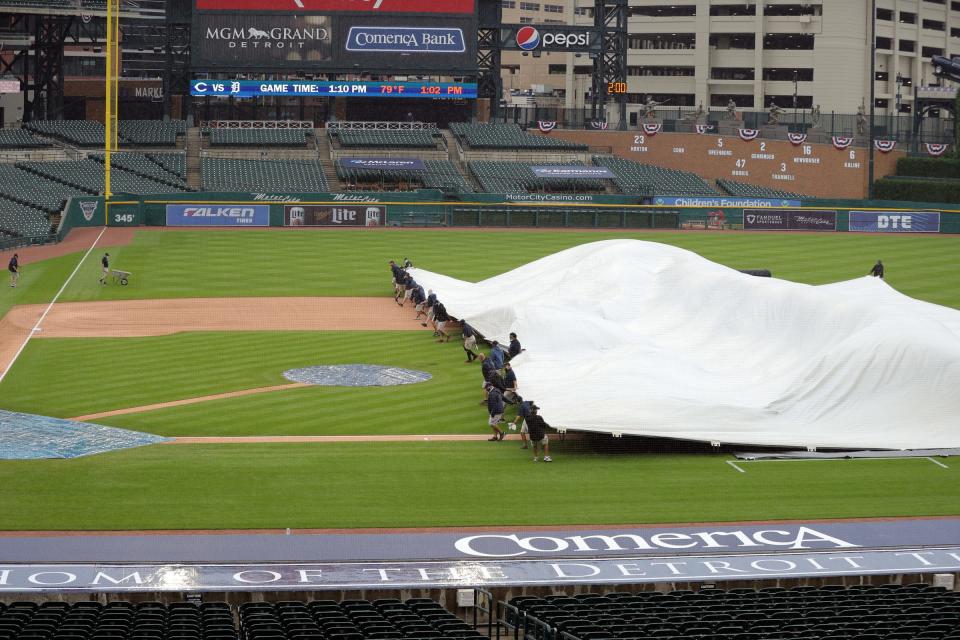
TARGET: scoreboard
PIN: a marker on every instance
(333, 89)
(336, 36)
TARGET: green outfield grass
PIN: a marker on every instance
(447, 484)
(183, 264)
(94, 375)
(397, 484)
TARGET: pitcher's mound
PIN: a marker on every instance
(356, 375)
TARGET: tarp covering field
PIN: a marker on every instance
(635, 337)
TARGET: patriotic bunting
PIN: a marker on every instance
(703, 128)
(841, 142)
(652, 129)
(748, 134)
(797, 139)
(546, 126)
(599, 124)
(936, 150)
(885, 146)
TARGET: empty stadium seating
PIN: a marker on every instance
(888, 612)
(145, 166)
(175, 163)
(508, 136)
(514, 177)
(152, 133)
(34, 191)
(438, 174)
(388, 619)
(116, 621)
(81, 133)
(87, 175)
(744, 190)
(258, 137)
(647, 179)
(228, 174)
(20, 139)
(375, 138)
(20, 220)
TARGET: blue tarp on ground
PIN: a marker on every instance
(24, 436)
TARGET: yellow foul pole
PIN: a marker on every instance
(111, 90)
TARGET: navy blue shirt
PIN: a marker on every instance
(514, 348)
(431, 299)
(411, 283)
(497, 356)
(524, 411)
(487, 368)
(510, 378)
(495, 402)
(419, 295)
(467, 330)
(396, 272)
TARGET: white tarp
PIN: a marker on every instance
(633, 337)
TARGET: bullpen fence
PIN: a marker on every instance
(428, 209)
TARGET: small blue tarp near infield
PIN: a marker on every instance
(356, 375)
(25, 436)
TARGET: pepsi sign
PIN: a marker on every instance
(550, 38)
(528, 38)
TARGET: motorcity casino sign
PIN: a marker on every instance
(411, 559)
(369, 6)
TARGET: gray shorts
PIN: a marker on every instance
(495, 420)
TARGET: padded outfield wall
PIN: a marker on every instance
(427, 208)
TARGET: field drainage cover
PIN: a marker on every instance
(356, 375)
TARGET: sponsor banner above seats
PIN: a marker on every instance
(218, 215)
(367, 6)
(789, 220)
(407, 164)
(895, 221)
(695, 201)
(339, 216)
(572, 171)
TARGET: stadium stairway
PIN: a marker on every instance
(194, 178)
(329, 170)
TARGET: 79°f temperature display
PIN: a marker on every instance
(320, 89)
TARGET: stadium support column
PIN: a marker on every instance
(873, 94)
(489, 79)
(176, 80)
(610, 63)
(49, 36)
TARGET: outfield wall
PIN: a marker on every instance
(427, 208)
(776, 164)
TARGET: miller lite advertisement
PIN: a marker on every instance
(334, 216)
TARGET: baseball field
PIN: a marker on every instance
(195, 347)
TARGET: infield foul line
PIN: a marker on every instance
(734, 465)
(36, 327)
(938, 463)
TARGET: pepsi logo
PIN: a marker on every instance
(528, 38)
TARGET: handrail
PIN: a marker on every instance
(380, 126)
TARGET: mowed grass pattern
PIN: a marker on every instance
(94, 375)
(184, 264)
(447, 484)
(398, 484)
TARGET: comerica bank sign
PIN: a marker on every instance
(480, 558)
(511, 546)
